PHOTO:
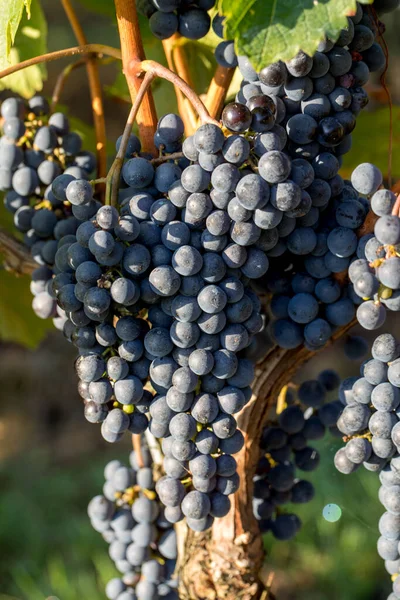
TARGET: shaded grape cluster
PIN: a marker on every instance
(301, 115)
(142, 543)
(371, 426)
(284, 449)
(376, 274)
(189, 18)
(309, 296)
(35, 148)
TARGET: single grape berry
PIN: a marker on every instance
(236, 117)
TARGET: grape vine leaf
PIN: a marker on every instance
(11, 12)
(29, 41)
(271, 30)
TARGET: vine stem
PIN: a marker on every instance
(137, 446)
(17, 257)
(154, 448)
(115, 169)
(64, 75)
(162, 159)
(95, 90)
(99, 49)
(151, 70)
(151, 66)
(60, 82)
(132, 50)
(218, 89)
(176, 60)
(396, 207)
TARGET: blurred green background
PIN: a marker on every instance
(51, 459)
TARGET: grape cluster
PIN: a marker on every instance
(370, 405)
(376, 274)
(309, 286)
(142, 543)
(300, 116)
(371, 423)
(308, 301)
(35, 148)
(284, 448)
(101, 308)
(159, 293)
(189, 18)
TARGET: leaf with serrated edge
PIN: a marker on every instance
(30, 41)
(269, 30)
(10, 16)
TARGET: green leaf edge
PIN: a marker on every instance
(224, 8)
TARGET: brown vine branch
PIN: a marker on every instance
(161, 159)
(132, 50)
(396, 207)
(114, 173)
(151, 66)
(95, 91)
(99, 49)
(218, 89)
(61, 79)
(64, 75)
(155, 449)
(176, 60)
(396, 187)
(177, 49)
(137, 446)
(16, 257)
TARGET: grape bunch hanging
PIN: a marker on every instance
(163, 291)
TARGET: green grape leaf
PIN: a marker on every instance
(29, 41)
(271, 30)
(11, 12)
(18, 322)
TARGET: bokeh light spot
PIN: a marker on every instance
(332, 513)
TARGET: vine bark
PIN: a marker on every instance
(225, 563)
(133, 50)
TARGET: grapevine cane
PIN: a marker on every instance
(99, 49)
(95, 90)
(115, 170)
